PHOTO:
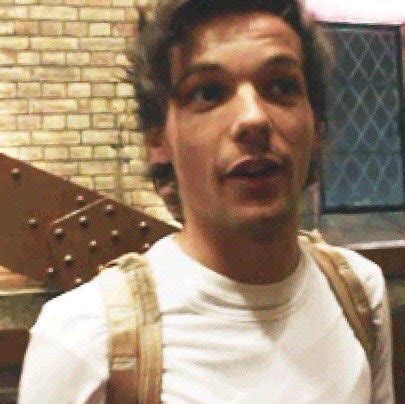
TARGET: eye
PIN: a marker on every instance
(206, 96)
(287, 86)
(285, 90)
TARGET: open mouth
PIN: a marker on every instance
(254, 168)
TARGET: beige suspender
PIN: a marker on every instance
(135, 347)
(135, 350)
(348, 290)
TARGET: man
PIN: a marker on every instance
(231, 90)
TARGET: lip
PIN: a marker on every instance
(253, 168)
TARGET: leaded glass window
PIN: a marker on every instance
(363, 159)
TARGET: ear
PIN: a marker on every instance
(157, 147)
(315, 160)
(319, 130)
(159, 155)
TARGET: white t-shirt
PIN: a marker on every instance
(223, 341)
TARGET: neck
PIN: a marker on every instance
(241, 256)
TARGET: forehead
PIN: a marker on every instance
(255, 34)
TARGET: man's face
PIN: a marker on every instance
(239, 127)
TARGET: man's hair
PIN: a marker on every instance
(172, 19)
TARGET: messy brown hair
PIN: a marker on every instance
(170, 21)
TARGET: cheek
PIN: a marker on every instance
(296, 126)
(296, 140)
(191, 141)
(303, 151)
(197, 137)
(203, 129)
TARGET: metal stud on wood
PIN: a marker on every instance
(145, 247)
(68, 259)
(109, 209)
(33, 222)
(59, 232)
(115, 235)
(143, 226)
(80, 200)
(16, 173)
(84, 221)
(50, 271)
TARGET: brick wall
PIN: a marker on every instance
(63, 104)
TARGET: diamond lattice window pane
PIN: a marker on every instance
(363, 162)
(364, 179)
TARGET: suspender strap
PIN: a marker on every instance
(135, 332)
(123, 339)
(348, 290)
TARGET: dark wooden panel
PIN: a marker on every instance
(97, 234)
(31, 199)
(58, 233)
(9, 378)
(13, 344)
(390, 258)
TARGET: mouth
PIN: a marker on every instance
(254, 168)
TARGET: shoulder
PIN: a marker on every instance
(68, 344)
(165, 254)
(369, 274)
(372, 278)
(77, 321)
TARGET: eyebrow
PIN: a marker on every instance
(274, 61)
(195, 69)
(283, 60)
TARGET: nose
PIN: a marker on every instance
(252, 125)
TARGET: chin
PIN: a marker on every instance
(259, 223)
